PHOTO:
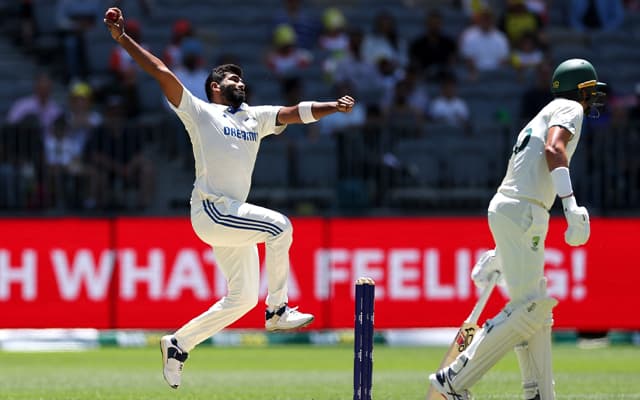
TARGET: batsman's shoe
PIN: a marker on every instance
(286, 318)
(173, 359)
(440, 382)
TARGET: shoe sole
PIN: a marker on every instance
(163, 351)
(292, 328)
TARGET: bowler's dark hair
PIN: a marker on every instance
(217, 74)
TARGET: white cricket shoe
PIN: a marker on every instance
(286, 318)
(173, 358)
(440, 382)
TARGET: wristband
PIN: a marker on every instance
(304, 110)
(562, 181)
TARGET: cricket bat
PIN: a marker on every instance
(467, 331)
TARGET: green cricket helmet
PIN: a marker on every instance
(578, 74)
(574, 74)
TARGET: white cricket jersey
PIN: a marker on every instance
(528, 175)
(225, 144)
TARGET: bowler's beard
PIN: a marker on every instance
(232, 95)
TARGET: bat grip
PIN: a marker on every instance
(484, 297)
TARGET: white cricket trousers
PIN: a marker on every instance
(234, 229)
(519, 229)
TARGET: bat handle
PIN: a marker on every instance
(484, 297)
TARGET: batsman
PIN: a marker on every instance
(518, 215)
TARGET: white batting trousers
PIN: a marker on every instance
(519, 229)
(234, 229)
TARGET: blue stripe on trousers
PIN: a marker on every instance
(237, 225)
(235, 218)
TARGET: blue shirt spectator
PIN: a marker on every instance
(305, 26)
(606, 15)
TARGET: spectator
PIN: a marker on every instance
(303, 24)
(21, 163)
(447, 107)
(361, 75)
(538, 95)
(404, 120)
(182, 29)
(471, 7)
(383, 48)
(334, 37)
(482, 46)
(390, 75)
(29, 119)
(63, 166)
(527, 54)
(117, 162)
(342, 122)
(39, 104)
(191, 73)
(334, 40)
(286, 59)
(385, 40)
(433, 52)
(517, 20)
(74, 19)
(83, 118)
(593, 15)
(416, 93)
(540, 8)
(191, 70)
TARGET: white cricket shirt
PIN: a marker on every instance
(225, 144)
(528, 175)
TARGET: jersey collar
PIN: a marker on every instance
(233, 110)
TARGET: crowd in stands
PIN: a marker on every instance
(86, 153)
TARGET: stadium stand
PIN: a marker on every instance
(442, 168)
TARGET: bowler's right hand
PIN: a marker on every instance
(345, 104)
(115, 25)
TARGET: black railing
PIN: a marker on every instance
(375, 169)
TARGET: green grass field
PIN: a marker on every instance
(295, 372)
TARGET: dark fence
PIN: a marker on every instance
(380, 168)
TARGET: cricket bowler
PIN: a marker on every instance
(225, 133)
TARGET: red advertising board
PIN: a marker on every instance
(56, 273)
(154, 273)
(167, 275)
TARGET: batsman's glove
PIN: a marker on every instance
(578, 229)
(486, 264)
